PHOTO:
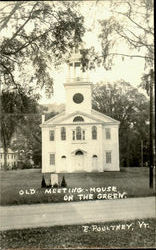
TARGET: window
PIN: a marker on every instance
(108, 157)
(63, 133)
(83, 135)
(78, 119)
(108, 133)
(78, 133)
(94, 132)
(73, 135)
(1, 156)
(77, 64)
(52, 135)
(94, 156)
(63, 157)
(52, 159)
(8, 156)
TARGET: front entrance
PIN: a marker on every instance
(79, 161)
(94, 163)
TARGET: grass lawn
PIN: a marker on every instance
(74, 237)
(133, 181)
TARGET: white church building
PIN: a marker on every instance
(79, 139)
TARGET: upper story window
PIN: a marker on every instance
(108, 133)
(94, 132)
(52, 159)
(63, 133)
(78, 119)
(79, 134)
(52, 135)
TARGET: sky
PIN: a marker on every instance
(129, 70)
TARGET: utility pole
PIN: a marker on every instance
(142, 154)
(151, 130)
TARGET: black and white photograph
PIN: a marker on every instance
(77, 125)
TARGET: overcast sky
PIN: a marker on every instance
(129, 70)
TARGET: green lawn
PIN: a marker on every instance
(74, 237)
(134, 181)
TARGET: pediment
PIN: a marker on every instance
(93, 117)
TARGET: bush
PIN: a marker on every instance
(43, 183)
(55, 185)
(63, 183)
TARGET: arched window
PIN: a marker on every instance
(79, 152)
(94, 156)
(78, 119)
(94, 132)
(78, 133)
(63, 157)
(63, 133)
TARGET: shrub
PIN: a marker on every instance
(43, 183)
(55, 185)
(63, 183)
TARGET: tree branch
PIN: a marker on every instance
(139, 56)
(22, 26)
(6, 19)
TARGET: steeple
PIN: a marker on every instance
(75, 72)
(77, 86)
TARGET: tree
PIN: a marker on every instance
(125, 103)
(13, 107)
(148, 84)
(28, 137)
(35, 37)
(130, 24)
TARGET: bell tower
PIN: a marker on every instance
(77, 86)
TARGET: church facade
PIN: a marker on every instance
(79, 139)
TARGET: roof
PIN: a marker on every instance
(93, 117)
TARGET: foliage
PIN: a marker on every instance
(128, 31)
(63, 183)
(13, 107)
(43, 183)
(35, 37)
(126, 104)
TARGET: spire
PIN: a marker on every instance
(75, 72)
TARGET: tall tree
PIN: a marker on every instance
(123, 102)
(130, 24)
(13, 107)
(35, 37)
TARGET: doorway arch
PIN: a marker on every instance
(79, 152)
(79, 160)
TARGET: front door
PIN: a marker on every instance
(79, 161)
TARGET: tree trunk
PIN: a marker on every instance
(5, 158)
(128, 148)
(151, 131)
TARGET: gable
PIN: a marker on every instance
(94, 117)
